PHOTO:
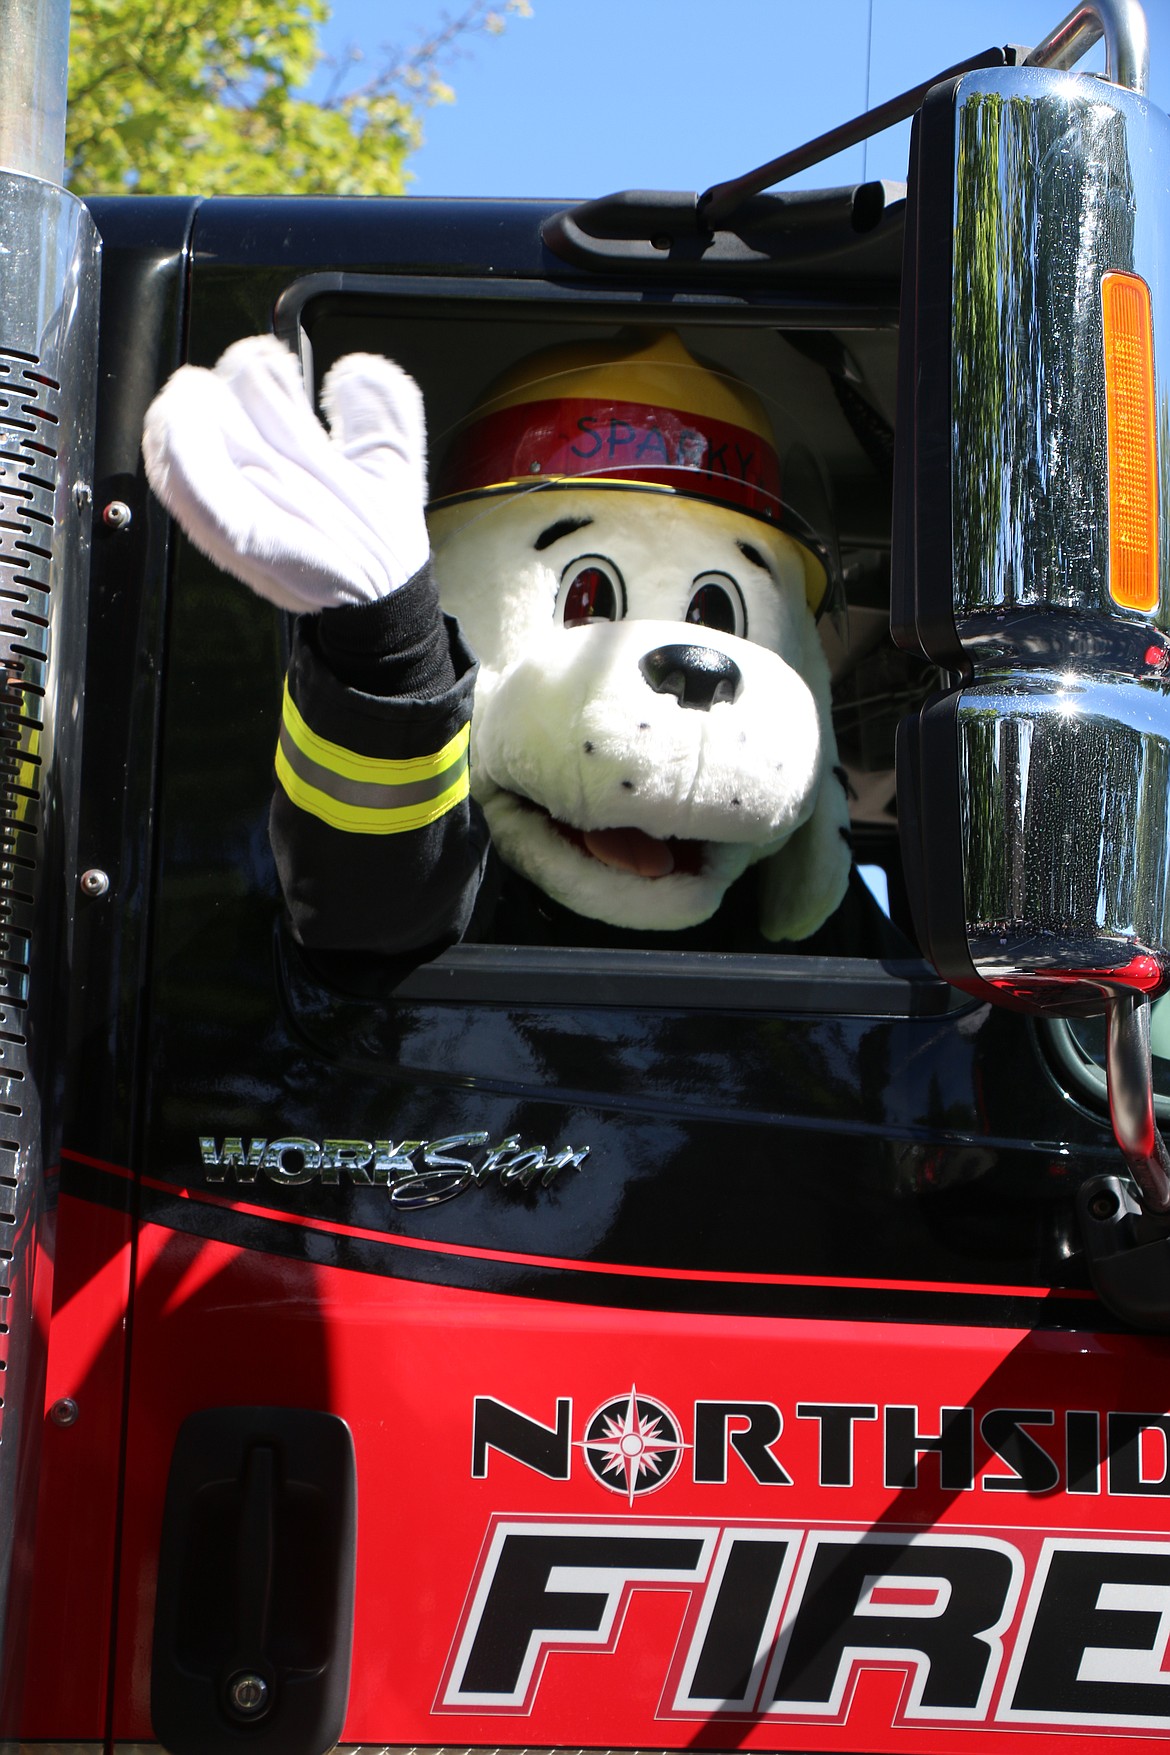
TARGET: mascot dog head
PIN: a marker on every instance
(652, 710)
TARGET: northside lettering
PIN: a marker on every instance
(843, 1444)
(414, 1173)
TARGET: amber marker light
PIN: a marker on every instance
(1131, 441)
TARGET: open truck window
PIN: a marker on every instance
(827, 380)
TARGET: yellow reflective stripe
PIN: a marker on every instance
(380, 770)
(372, 820)
(358, 819)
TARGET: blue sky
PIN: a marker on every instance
(588, 96)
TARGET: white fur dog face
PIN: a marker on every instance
(652, 710)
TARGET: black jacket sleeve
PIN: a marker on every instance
(378, 845)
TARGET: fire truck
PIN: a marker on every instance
(562, 1347)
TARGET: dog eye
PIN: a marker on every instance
(716, 603)
(591, 591)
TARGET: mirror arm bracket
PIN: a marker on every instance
(1127, 47)
(1130, 1075)
(1126, 1231)
(1128, 1252)
(717, 204)
(1127, 62)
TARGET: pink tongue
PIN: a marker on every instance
(630, 850)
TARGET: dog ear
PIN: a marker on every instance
(802, 884)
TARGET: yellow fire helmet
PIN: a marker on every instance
(637, 412)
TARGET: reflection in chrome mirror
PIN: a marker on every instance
(1018, 573)
(1031, 561)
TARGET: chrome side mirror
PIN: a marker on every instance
(1031, 550)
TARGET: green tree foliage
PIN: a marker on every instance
(199, 97)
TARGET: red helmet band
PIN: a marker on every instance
(615, 442)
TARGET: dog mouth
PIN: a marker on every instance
(630, 850)
(635, 851)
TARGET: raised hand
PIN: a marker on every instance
(309, 519)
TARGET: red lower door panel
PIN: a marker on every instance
(600, 1527)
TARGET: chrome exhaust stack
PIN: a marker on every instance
(34, 59)
(49, 266)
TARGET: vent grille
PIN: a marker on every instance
(30, 416)
(48, 376)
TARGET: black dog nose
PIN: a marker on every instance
(698, 675)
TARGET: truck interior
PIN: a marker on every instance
(830, 389)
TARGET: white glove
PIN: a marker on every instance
(310, 520)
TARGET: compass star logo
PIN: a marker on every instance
(633, 1444)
